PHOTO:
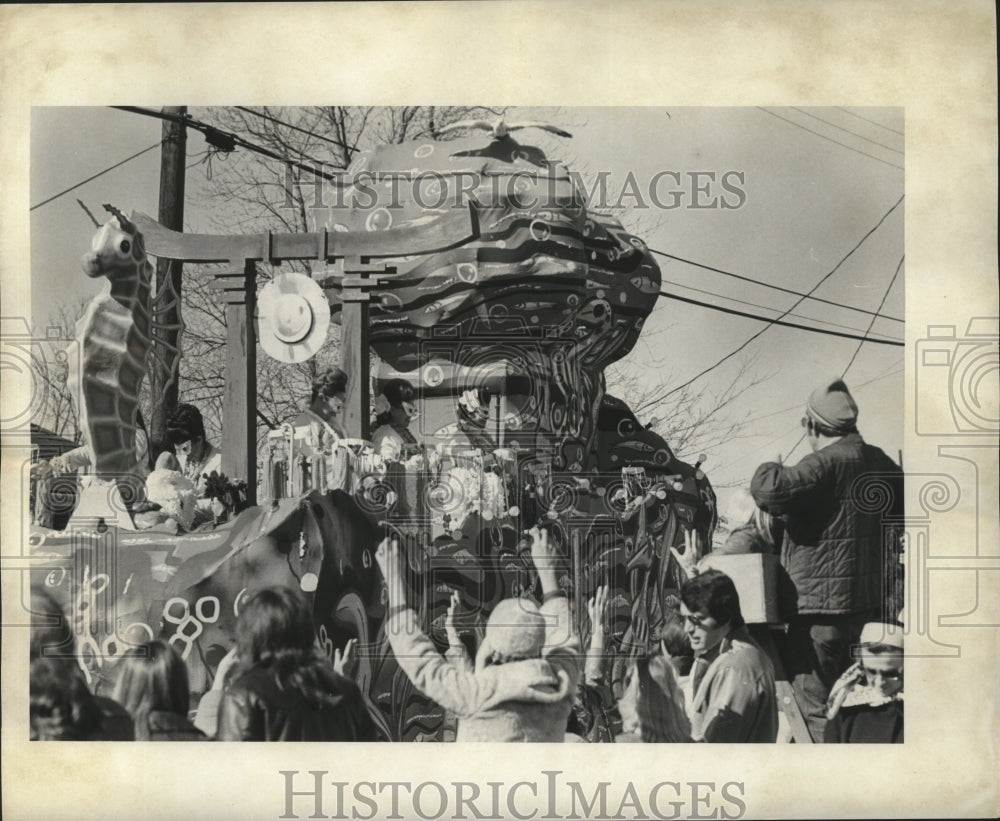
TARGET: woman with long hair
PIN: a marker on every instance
(326, 405)
(153, 686)
(61, 708)
(283, 690)
(393, 438)
(652, 705)
(52, 644)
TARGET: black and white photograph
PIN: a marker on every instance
(621, 420)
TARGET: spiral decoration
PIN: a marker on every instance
(373, 494)
(561, 495)
(131, 490)
(939, 494)
(448, 495)
(614, 497)
(876, 492)
(60, 493)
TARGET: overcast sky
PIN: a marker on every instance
(813, 183)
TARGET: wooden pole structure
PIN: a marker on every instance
(354, 345)
(164, 384)
(239, 396)
(576, 556)
(238, 289)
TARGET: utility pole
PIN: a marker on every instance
(163, 380)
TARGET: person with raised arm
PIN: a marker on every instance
(521, 684)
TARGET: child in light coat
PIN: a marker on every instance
(522, 683)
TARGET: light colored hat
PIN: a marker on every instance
(876, 632)
(833, 406)
(293, 317)
(516, 630)
(741, 507)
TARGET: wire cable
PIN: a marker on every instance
(95, 176)
(769, 285)
(862, 342)
(884, 297)
(768, 444)
(226, 140)
(765, 307)
(830, 139)
(852, 133)
(884, 374)
(297, 128)
(873, 122)
(836, 267)
(779, 321)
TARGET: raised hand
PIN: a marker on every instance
(449, 620)
(692, 544)
(346, 662)
(225, 666)
(543, 556)
(688, 561)
(543, 551)
(390, 562)
(596, 608)
(388, 555)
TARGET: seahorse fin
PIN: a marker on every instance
(123, 221)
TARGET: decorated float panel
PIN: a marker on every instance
(502, 337)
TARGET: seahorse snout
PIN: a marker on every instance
(90, 262)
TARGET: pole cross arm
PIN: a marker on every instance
(235, 287)
(355, 281)
(455, 228)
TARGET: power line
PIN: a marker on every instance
(777, 321)
(873, 122)
(770, 285)
(95, 176)
(733, 353)
(852, 133)
(198, 158)
(830, 139)
(885, 374)
(226, 140)
(862, 342)
(765, 307)
(884, 297)
(297, 128)
(759, 448)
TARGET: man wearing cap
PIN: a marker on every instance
(834, 504)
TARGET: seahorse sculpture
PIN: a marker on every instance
(109, 359)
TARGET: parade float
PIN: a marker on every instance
(486, 284)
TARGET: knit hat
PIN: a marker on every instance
(876, 632)
(516, 630)
(833, 406)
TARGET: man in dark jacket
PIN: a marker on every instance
(840, 549)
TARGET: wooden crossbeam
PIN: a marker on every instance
(453, 229)
(355, 251)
